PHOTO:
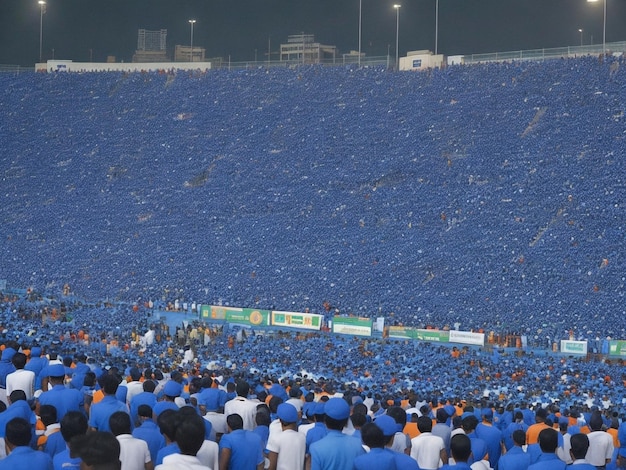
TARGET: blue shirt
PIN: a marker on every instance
(150, 433)
(25, 458)
(54, 444)
(336, 451)
(246, 450)
(376, 459)
(514, 459)
(548, 462)
(63, 461)
(165, 451)
(102, 411)
(63, 399)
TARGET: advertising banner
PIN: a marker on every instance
(352, 326)
(433, 335)
(466, 337)
(617, 348)
(402, 332)
(573, 347)
(242, 316)
(309, 321)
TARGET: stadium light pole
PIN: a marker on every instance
(603, 24)
(360, 18)
(191, 22)
(397, 7)
(42, 10)
(581, 36)
(436, 26)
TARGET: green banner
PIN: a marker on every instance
(617, 348)
(433, 335)
(352, 326)
(309, 321)
(243, 316)
(402, 332)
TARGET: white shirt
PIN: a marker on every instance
(290, 446)
(209, 454)
(600, 448)
(218, 423)
(133, 388)
(21, 380)
(134, 453)
(180, 461)
(244, 408)
(426, 450)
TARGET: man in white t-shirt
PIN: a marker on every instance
(287, 448)
(134, 453)
(427, 449)
(21, 379)
(242, 406)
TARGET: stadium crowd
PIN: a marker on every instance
(121, 374)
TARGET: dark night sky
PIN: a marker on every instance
(238, 27)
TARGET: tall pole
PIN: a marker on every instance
(436, 26)
(604, 31)
(360, 19)
(42, 8)
(191, 22)
(581, 37)
(397, 7)
(603, 25)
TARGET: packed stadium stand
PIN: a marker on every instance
(489, 195)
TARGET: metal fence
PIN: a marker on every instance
(552, 53)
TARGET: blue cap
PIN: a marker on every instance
(487, 413)
(287, 412)
(172, 389)
(35, 351)
(56, 370)
(8, 354)
(337, 408)
(386, 424)
(320, 408)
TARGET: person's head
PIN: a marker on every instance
(541, 415)
(144, 411)
(48, 414)
(359, 408)
(372, 436)
(469, 424)
(519, 437)
(109, 384)
(74, 423)
(189, 434)
(242, 388)
(288, 415)
(149, 386)
(595, 422)
(548, 441)
(337, 412)
(17, 395)
(579, 446)
(18, 433)
(460, 447)
(441, 415)
(167, 424)
(234, 422)
(19, 360)
(119, 422)
(424, 424)
(358, 420)
(98, 451)
(398, 414)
